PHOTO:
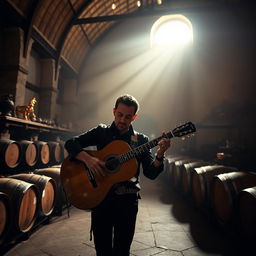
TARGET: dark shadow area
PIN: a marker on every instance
(204, 230)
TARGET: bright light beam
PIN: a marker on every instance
(171, 30)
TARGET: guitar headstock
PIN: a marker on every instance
(184, 129)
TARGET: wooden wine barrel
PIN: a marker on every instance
(224, 196)
(43, 153)
(56, 152)
(170, 165)
(54, 173)
(23, 203)
(10, 153)
(201, 182)
(177, 172)
(187, 170)
(4, 216)
(29, 153)
(54, 166)
(247, 211)
(46, 187)
(64, 151)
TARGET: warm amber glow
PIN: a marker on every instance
(113, 6)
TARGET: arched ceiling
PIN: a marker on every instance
(68, 29)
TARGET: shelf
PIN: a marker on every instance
(24, 127)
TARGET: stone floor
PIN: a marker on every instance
(167, 225)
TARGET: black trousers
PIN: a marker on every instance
(113, 224)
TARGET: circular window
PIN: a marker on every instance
(171, 31)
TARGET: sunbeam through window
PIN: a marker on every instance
(171, 31)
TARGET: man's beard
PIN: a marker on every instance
(121, 127)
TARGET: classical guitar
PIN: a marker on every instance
(85, 191)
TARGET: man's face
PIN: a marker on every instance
(124, 115)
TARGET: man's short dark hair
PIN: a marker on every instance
(128, 100)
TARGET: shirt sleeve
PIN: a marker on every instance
(78, 143)
(147, 159)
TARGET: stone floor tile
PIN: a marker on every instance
(170, 253)
(143, 226)
(173, 240)
(166, 227)
(139, 246)
(146, 238)
(147, 252)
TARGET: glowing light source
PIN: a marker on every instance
(139, 3)
(113, 6)
(171, 30)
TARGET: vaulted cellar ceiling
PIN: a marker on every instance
(68, 29)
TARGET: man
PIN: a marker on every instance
(113, 220)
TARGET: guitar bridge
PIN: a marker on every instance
(91, 177)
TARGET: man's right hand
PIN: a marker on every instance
(95, 165)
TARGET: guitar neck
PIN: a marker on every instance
(142, 148)
(179, 131)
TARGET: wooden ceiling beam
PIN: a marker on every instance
(31, 18)
(156, 12)
(67, 30)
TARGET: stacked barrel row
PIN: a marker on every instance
(30, 154)
(226, 193)
(27, 198)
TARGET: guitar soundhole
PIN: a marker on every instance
(111, 164)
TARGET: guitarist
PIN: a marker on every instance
(116, 214)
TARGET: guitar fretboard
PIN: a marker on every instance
(142, 148)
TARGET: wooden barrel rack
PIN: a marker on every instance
(202, 180)
(46, 187)
(10, 153)
(61, 199)
(29, 194)
(224, 196)
(247, 212)
(29, 155)
(24, 203)
(4, 216)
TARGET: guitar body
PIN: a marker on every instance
(84, 193)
